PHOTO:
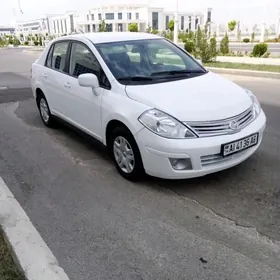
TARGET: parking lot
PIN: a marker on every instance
(99, 226)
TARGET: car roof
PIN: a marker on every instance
(109, 37)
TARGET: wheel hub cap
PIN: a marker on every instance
(124, 155)
(44, 110)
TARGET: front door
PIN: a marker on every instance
(84, 107)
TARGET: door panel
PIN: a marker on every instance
(54, 77)
(83, 106)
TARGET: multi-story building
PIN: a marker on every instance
(117, 18)
(6, 30)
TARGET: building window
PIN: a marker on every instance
(155, 20)
(109, 27)
(119, 15)
(54, 27)
(72, 23)
(128, 15)
(61, 24)
(99, 17)
(88, 27)
(87, 17)
(196, 23)
(190, 23)
(93, 28)
(137, 15)
(166, 22)
(209, 16)
(109, 16)
(182, 22)
(58, 27)
(92, 16)
(65, 25)
(120, 27)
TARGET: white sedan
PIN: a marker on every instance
(155, 107)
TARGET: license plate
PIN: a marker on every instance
(240, 145)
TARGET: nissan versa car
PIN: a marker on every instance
(156, 108)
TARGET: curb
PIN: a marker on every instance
(29, 250)
(240, 72)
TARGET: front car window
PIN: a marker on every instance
(153, 60)
(83, 61)
(59, 56)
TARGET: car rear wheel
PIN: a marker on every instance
(44, 110)
(126, 154)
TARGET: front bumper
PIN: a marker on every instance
(204, 153)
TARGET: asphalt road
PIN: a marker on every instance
(99, 226)
(272, 48)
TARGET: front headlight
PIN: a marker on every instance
(256, 104)
(164, 125)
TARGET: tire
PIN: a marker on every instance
(135, 170)
(44, 110)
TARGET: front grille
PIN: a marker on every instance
(218, 158)
(222, 127)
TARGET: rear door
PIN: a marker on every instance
(54, 77)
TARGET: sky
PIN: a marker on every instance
(248, 12)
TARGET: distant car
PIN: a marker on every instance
(155, 107)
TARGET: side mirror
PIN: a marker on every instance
(88, 80)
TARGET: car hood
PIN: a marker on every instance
(202, 98)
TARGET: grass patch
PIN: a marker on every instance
(8, 269)
(243, 66)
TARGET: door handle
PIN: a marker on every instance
(45, 76)
(67, 85)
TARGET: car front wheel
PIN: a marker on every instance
(126, 154)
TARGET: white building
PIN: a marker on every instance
(6, 30)
(117, 18)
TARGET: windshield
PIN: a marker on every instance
(148, 61)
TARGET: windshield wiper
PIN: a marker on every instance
(177, 72)
(135, 78)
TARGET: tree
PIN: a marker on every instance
(133, 27)
(203, 49)
(253, 37)
(102, 26)
(232, 25)
(224, 45)
(170, 25)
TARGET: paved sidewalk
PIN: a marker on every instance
(249, 60)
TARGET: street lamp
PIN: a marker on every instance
(176, 23)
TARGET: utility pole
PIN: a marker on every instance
(176, 25)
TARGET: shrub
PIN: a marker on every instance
(155, 31)
(246, 40)
(259, 50)
(26, 43)
(16, 42)
(224, 45)
(189, 46)
(167, 34)
(149, 29)
(133, 27)
(36, 43)
(170, 25)
(11, 41)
